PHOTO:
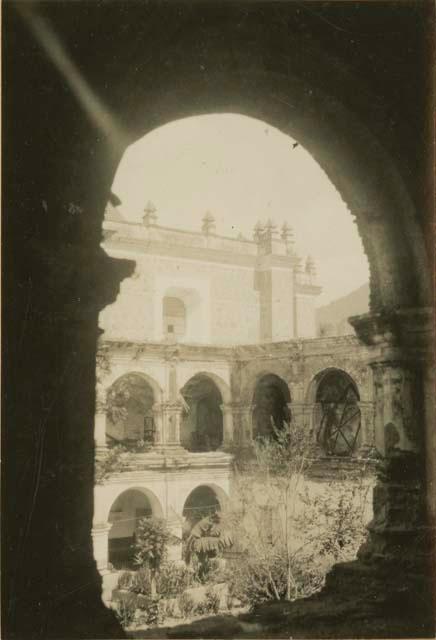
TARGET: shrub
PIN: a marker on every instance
(112, 462)
(125, 580)
(186, 605)
(201, 608)
(153, 611)
(125, 611)
(255, 581)
(212, 600)
(140, 582)
(173, 579)
(170, 609)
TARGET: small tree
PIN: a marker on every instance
(277, 471)
(152, 539)
(291, 535)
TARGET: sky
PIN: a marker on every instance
(243, 170)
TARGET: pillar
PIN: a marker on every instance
(100, 543)
(171, 414)
(228, 436)
(367, 434)
(398, 551)
(243, 417)
(100, 422)
(158, 422)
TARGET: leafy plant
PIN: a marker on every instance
(125, 611)
(152, 539)
(153, 611)
(141, 582)
(125, 580)
(186, 605)
(128, 391)
(291, 535)
(112, 462)
(172, 579)
(212, 600)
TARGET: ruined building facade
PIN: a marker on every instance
(210, 344)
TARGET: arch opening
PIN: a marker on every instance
(202, 420)
(338, 420)
(124, 515)
(129, 412)
(271, 412)
(203, 501)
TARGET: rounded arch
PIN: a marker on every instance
(271, 397)
(337, 415)
(204, 499)
(129, 415)
(221, 384)
(316, 380)
(156, 507)
(273, 378)
(338, 135)
(275, 369)
(155, 386)
(202, 424)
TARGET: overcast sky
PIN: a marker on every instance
(243, 170)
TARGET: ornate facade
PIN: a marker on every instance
(209, 345)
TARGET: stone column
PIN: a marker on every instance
(158, 423)
(100, 422)
(315, 424)
(228, 436)
(100, 543)
(301, 414)
(244, 416)
(367, 434)
(172, 412)
(397, 554)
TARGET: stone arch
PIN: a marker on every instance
(151, 497)
(270, 400)
(129, 415)
(278, 369)
(202, 425)
(337, 413)
(123, 516)
(356, 165)
(157, 389)
(316, 379)
(206, 498)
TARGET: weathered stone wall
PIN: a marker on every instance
(337, 78)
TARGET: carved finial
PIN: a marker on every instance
(150, 217)
(287, 233)
(310, 266)
(208, 225)
(271, 229)
(258, 231)
(298, 262)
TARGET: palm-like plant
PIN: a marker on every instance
(208, 537)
